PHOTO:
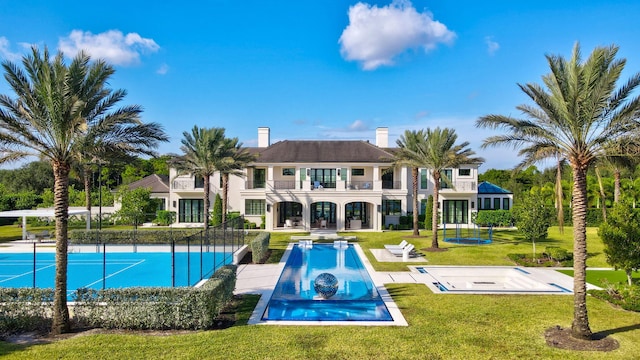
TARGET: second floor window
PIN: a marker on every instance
(199, 182)
(446, 173)
(323, 177)
(259, 178)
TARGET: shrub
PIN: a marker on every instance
(494, 218)
(391, 227)
(165, 217)
(25, 309)
(625, 296)
(557, 253)
(157, 308)
(160, 236)
(259, 247)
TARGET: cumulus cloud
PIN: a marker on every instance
(492, 46)
(376, 35)
(112, 46)
(5, 50)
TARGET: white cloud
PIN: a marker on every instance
(492, 46)
(5, 51)
(112, 46)
(358, 125)
(163, 69)
(375, 35)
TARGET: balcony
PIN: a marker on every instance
(460, 186)
(255, 185)
(284, 184)
(185, 184)
(360, 185)
(391, 185)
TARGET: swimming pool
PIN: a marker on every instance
(295, 299)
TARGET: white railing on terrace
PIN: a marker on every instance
(459, 186)
(184, 184)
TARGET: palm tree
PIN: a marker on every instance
(558, 193)
(576, 115)
(200, 158)
(57, 107)
(439, 152)
(230, 160)
(408, 155)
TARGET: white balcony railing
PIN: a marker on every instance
(184, 184)
(460, 186)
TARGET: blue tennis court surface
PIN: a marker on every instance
(120, 270)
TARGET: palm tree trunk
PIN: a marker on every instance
(580, 326)
(559, 207)
(61, 208)
(225, 191)
(414, 174)
(207, 201)
(434, 216)
(616, 185)
(602, 195)
(87, 187)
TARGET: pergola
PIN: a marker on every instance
(50, 213)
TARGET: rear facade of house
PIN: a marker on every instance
(335, 184)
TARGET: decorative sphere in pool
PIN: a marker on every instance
(326, 285)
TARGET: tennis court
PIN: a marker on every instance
(111, 269)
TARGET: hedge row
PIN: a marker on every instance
(160, 236)
(259, 247)
(494, 218)
(157, 308)
(25, 309)
(128, 308)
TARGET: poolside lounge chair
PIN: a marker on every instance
(401, 252)
(400, 246)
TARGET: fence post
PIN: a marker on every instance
(173, 263)
(34, 265)
(188, 260)
(104, 265)
(201, 248)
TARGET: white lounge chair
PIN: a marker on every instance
(288, 223)
(400, 246)
(400, 252)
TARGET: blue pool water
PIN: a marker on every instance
(120, 270)
(294, 297)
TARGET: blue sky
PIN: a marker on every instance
(323, 69)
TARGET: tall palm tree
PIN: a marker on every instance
(577, 113)
(200, 155)
(408, 155)
(230, 160)
(440, 152)
(57, 107)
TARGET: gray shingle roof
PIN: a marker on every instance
(319, 151)
(157, 183)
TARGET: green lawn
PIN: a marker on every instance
(603, 278)
(440, 326)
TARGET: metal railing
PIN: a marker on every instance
(284, 184)
(393, 185)
(360, 185)
(255, 184)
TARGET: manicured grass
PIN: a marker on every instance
(603, 278)
(440, 326)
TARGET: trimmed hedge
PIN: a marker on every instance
(160, 236)
(259, 247)
(25, 309)
(494, 218)
(625, 296)
(157, 308)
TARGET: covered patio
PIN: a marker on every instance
(48, 213)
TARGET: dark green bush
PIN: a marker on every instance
(260, 247)
(155, 236)
(625, 296)
(494, 218)
(558, 254)
(165, 217)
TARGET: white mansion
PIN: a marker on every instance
(341, 185)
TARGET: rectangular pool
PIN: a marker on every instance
(294, 297)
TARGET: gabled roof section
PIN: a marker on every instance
(321, 151)
(157, 183)
(486, 187)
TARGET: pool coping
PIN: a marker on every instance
(394, 310)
